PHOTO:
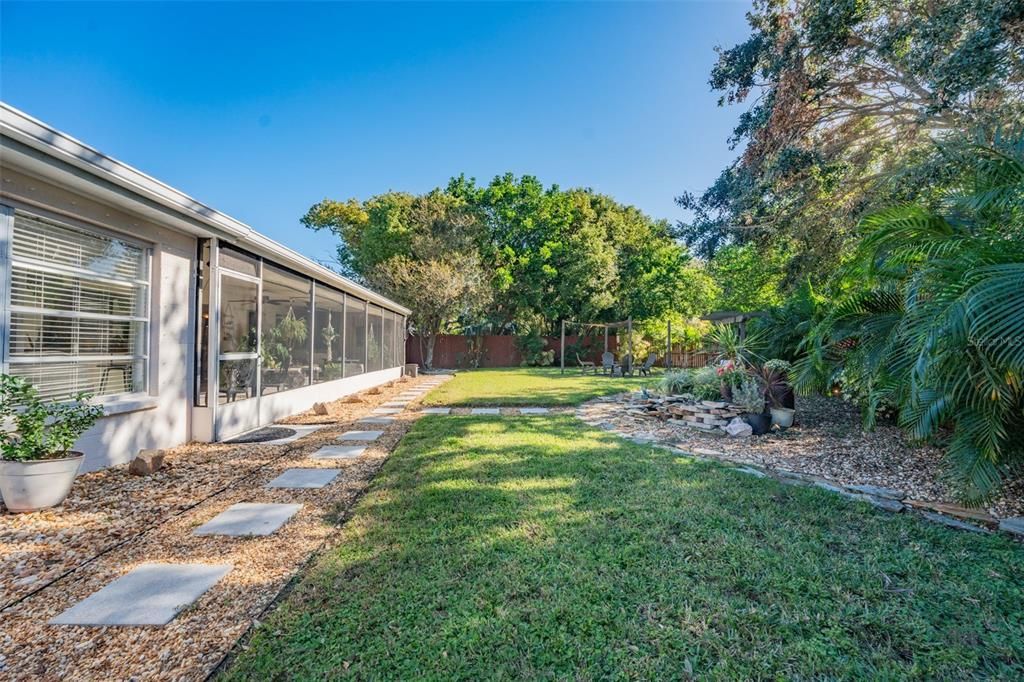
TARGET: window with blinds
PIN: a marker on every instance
(79, 304)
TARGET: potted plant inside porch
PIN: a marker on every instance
(748, 396)
(37, 464)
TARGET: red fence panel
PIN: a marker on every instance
(457, 351)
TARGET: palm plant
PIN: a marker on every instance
(938, 329)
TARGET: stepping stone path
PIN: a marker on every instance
(377, 420)
(485, 410)
(339, 452)
(361, 435)
(304, 478)
(154, 593)
(248, 518)
(534, 410)
(151, 594)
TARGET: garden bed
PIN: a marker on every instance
(827, 441)
(112, 522)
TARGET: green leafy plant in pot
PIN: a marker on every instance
(37, 464)
(749, 397)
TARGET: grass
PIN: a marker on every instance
(540, 548)
(541, 386)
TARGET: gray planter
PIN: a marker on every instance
(783, 416)
(29, 486)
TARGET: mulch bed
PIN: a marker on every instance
(112, 522)
(826, 441)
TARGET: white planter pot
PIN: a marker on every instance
(28, 486)
(783, 416)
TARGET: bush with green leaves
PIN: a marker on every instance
(676, 382)
(42, 430)
(937, 325)
(749, 395)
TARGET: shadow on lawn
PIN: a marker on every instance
(539, 547)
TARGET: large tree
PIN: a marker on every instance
(839, 94)
(419, 250)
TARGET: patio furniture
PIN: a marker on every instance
(645, 369)
(607, 362)
(585, 365)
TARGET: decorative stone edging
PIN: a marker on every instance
(886, 499)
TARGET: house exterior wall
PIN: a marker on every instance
(93, 226)
(161, 418)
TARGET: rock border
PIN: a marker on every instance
(886, 499)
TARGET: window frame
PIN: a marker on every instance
(143, 356)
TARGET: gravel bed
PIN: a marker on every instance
(826, 441)
(112, 522)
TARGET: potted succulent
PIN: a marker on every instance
(37, 464)
(748, 396)
(775, 374)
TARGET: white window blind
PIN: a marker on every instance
(79, 310)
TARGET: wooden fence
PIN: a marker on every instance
(457, 351)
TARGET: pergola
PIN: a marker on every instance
(628, 324)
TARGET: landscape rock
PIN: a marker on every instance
(147, 462)
(738, 428)
(320, 409)
(886, 503)
(954, 523)
(1013, 525)
(878, 491)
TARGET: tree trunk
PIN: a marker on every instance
(428, 359)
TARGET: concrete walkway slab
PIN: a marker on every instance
(304, 478)
(387, 410)
(437, 410)
(485, 410)
(151, 594)
(339, 452)
(534, 410)
(395, 403)
(377, 420)
(361, 435)
(248, 518)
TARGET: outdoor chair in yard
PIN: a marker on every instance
(585, 365)
(607, 362)
(645, 369)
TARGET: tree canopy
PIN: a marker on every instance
(525, 255)
(839, 94)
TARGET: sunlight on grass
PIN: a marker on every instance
(491, 547)
(542, 386)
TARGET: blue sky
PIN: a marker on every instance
(260, 110)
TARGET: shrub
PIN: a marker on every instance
(676, 382)
(42, 430)
(749, 395)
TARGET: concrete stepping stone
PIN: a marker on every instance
(395, 403)
(377, 420)
(485, 410)
(151, 594)
(361, 435)
(339, 452)
(437, 410)
(534, 410)
(248, 518)
(387, 410)
(304, 478)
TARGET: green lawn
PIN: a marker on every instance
(539, 548)
(544, 386)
